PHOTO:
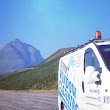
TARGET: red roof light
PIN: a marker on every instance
(98, 35)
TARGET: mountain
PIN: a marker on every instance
(43, 76)
(17, 55)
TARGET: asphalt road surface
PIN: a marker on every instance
(10, 100)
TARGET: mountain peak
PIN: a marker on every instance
(16, 40)
(17, 55)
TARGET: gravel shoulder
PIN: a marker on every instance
(11, 100)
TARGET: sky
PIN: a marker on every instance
(49, 25)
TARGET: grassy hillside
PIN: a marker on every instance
(39, 77)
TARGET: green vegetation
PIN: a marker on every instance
(39, 77)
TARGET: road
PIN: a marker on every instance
(10, 100)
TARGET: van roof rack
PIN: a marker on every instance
(83, 45)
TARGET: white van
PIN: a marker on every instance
(84, 77)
